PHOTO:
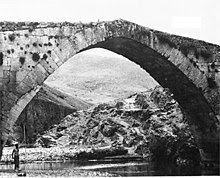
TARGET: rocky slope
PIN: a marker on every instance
(47, 108)
(150, 124)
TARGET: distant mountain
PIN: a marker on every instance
(99, 76)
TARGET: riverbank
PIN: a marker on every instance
(38, 154)
(28, 155)
(57, 155)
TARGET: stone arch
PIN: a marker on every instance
(158, 55)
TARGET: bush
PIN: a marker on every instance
(205, 54)
(184, 49)
(166, 40)
(44, 57)
(211, 82)
(35, 57)
(35, 44)
(11, 37)
(22, 60)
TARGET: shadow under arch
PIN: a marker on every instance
(201, 118)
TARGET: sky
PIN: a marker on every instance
(199, 19)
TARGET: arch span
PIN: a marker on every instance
(190, 98)
(48, 48)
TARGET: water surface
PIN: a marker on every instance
(118, 167)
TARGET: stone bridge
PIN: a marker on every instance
(30, 52)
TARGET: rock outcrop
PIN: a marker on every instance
(149, 124)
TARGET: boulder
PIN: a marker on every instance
(46, 141)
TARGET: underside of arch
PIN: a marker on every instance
(201, 116)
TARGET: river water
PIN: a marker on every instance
(114, 167)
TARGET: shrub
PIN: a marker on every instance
(50, 44)
(35, 44)
(11, 37)
(184, 49)
(166, 40)
(44, 57)
(35, 57)
(211, 82)
(30, 29)
(205, 54)
(34, 24)
(22, 60)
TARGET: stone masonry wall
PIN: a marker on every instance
(30, 52)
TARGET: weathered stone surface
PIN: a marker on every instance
(174, 61)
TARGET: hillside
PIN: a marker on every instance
(99, 76)
(49, 94)
(47, 108)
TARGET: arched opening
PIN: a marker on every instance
(201, 117)
(99, 75)
(89, 78)
(169, 76)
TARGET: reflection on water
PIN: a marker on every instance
(118, 167)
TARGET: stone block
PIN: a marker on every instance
(79, 41)
(46, 66)
(65, 50)
(52, 64)
(22, 88)
(42, 69)
(41, 77)
(56, 59)
(21, 74)
(67, 30)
